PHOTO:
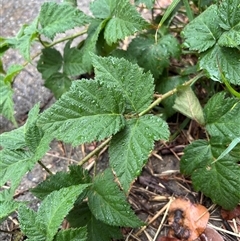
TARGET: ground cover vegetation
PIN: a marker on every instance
(123, 96)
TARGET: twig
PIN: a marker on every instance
(223, 230)
(61, 157)
(163, 219)
(94, 152)
(152, 220)
(171, 92)
(45, 168)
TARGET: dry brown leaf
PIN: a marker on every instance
(210, 234)
(168, 239)
(187, 220)
(228, 215)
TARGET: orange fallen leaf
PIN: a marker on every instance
(187, 220)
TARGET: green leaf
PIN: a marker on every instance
(154, 56)
(50, 62)
(72, 2)
(230, 38)
(129, 149)
(123, 18)
(76, 176)
(12, 71)
(229, 148)
(24, 39)
(79, 234)
(13, 139)
(188, 104)
(221, 59)
(55, 207)
(24, 43)
(57, 18)
(13, 165)
(148, 3)
(218, 180)
(88, 112)
(28, 225)
(7, 208)
(72, 60)
(165, 85)
(33, 115)
(89, 45)
(81, 215)
(6, 101)
(102, 8)
(114, 210)
(16, 162)
(203, 32)
(222, 116)
(229, 14)
(137, 87)
(58, 83)
(125, 21)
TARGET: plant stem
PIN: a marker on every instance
(188, 10)
(45, 168)
(95, 151)
(67, 38)
(171, 92)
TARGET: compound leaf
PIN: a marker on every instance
(50, 62)
(222, 116)
(188, 104)
(154, 56)
(6, 101)
(221, 59)
(57, 18)
(58, 83)
(78, 234)
(218, 180)
(89, 111)
(137, 87)
(202, 33)
(129, 149)
(114, 210)
(55, 207)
